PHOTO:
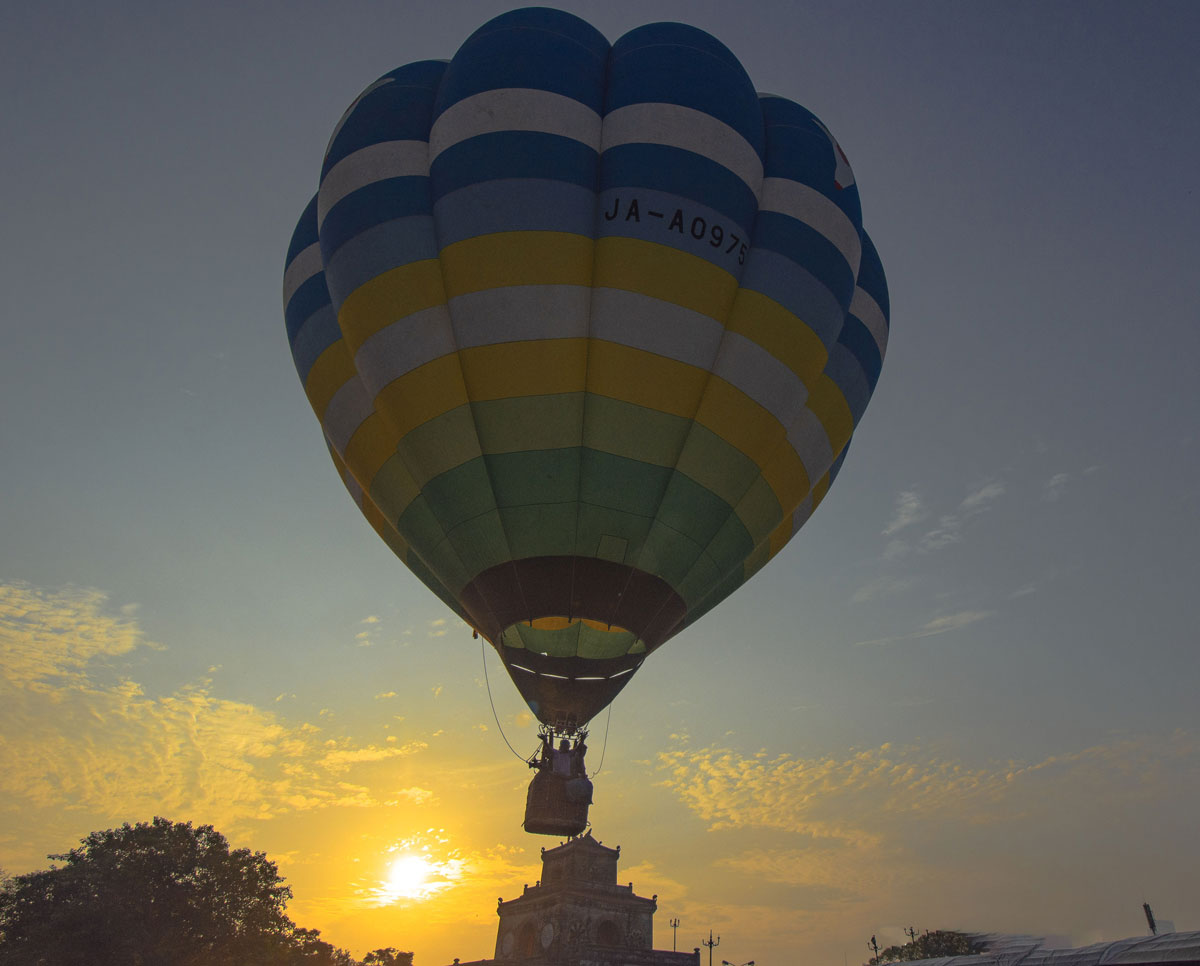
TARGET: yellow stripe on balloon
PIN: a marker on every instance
(779, 537)
(665, 273)
(787, 478)
(514, 369)
(643, 378)
(396, 294)
(780, 332)
(384, 527)
(743, 423)
(820, 490)
(372, 445)
(332, 370)
(516, 258)
(826, 400)
(420, 395)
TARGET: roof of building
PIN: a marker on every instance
(1169, 948)
(582, 842)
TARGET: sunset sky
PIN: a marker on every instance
(963, 697)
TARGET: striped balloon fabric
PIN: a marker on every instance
(588, 328)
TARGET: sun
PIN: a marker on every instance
(409, 877)
(414, 873)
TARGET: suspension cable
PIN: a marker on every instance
(483, 656)
(604, 747)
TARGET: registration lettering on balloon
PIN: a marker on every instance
(713, 234)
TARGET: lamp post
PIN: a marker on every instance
(674, 924)
(710, 943)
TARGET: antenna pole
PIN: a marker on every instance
(674, 924)
(710, 942)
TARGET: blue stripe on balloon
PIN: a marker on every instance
(317, 334)
(858, 339)
(660, 167)
(514, 204)
(808, 247)
(871, 278)
(373, 204)
(513, 154)
(807, 155)
(676, 64)
(536, 48)
(305, 233)
(797, 290)
(379, 249)
(308, 298)
(400, 110)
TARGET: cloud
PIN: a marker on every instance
(949, 529)
(883, 588)
(908, 511)
(952, 622)
(77, 733)
(50, 638)
(385, 694)
(340, 759)
(984, 495)
(944, 624)
(852, 824)
(1053, 488)
(418, 796)
(824, 799)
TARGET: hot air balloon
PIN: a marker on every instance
(588, 328)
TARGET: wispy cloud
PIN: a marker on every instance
(418, 796)
(48, 639)
(949, 529)
(880, 816)
(983, 496)
(942, 624)
(908, 511)
(77, 732)
(1053, 488)
(883, 588)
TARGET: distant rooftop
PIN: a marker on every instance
(1169, 949)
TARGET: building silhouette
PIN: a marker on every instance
(578, 915)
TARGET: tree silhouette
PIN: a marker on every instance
(387, 957)
(156, 894)
(931, 945)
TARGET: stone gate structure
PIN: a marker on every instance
(577, 915)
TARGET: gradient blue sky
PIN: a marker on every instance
(964, 696)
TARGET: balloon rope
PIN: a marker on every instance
(483, 656)
(604, 747)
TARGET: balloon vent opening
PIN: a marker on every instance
(559, 636)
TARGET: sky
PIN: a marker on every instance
(963, 697)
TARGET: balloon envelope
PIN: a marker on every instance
(588, 328)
